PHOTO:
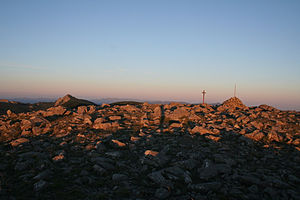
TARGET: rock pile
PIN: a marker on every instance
(147, 151)
(232, 103)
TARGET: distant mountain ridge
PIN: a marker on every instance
(97, 101)
(114, 100)
(31, 100)
(19, 105)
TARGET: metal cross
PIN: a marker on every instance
(203, 93)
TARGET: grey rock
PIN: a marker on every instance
(208, 173)
(99, 170)
(119, 177)
(188, 164)
(162, 193)
(271, 193)
(102, 152)
(253, 189)
(43, 175)
(249, 180)
(206, 187)
(40, 185)
(107, 166)
(157, 177)
(114, 154)
(21, 166)
(293, 179)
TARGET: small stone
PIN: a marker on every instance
(271, 192)
(162, 193)
(84, 173)
(255, 135)
(9, 112)
(104, 126)
(205, 187)
(26, 133)
(19, 141)
(253, 189)
(208, 170)
(118, 143)
(119, 177)
(114, 154)
(199, 129)
(212, 137)
(59, 157)
(87, 121)
(99, 170)
(114, 118)
(81, 110)
(40, 185)
(157, 177)
(134, 139)
(175, 125)
(247, 179)
(273, 136)
(90, 147)
(150, 152)
(293, 179)
(100, 147)
(43, 175)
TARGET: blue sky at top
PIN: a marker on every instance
(152, 50)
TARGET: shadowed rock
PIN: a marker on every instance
(69, 101)
(146, 151)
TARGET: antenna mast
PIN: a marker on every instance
(234, 90)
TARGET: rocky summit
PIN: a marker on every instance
(69, 101)
(79, 150)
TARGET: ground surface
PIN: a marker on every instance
(143, 151)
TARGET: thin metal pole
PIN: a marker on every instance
(234, 90)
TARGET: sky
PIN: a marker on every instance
(152, 50)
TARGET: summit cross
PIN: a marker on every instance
(203, 94)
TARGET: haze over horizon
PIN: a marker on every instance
(153, 50)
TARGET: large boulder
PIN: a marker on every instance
(69, 101)
(201, 130)
(273, 136)
(256, 135)
(59, 110)
(178, 114)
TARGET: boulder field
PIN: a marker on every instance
(78, 150)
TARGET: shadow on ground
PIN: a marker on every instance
(91, 166)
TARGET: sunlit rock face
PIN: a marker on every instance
(150, 151)
(233, 102)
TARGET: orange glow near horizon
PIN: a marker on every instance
(156, 92)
